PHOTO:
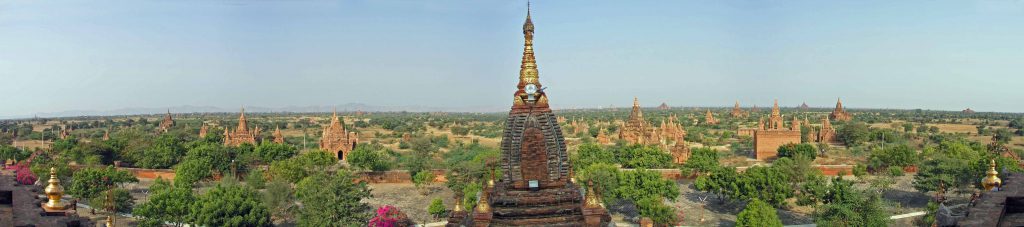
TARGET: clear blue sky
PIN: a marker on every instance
(101, 55)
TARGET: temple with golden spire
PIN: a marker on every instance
(536, 188)
(242, 134)
(336, 139)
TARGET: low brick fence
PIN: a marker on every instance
(147, 174)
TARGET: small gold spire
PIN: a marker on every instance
(592, 200)
(110, 221)
(482, 203)
(54, 192)
(458, 205)
(992, 180)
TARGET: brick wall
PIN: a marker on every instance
(767, 142)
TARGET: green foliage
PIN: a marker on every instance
(369, 157)
(270, 152)
(469, 163)
(230, 205)
(590, 153)
(957, 165)
(423, 178)
(605, 178)
(853, 133)
(191, 171)
(8, 152)
(256, 178)
(296, 168)
(423, 151)
(279, 198)
(166, 204)
(766, 183)
(855, 209)
(758, 214)
(702, 160)
(89, 183)
(655, 208)
(793, 150)
(332, 200)
(641, 183)
(640, 156)
(123, 201)
(899, 156)
(437, 208)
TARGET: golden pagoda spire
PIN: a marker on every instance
(592, 200)
(54, 192)
(775, 108)
(992, 180)
(458, 205)
(482, 203)
(528, 70)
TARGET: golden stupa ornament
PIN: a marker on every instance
(458, 205)
(110, 221)
(54, 192)
(992, 180)
(482, 205)
(592, 200)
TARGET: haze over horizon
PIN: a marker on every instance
(108, 55)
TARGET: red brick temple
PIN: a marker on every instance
(536, 188)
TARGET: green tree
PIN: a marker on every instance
(590, 153)
(270, 152)
(230, 205)
(89, 183)
(332, 200)
(655, 208)
(899, 156)
(853, 133)
(604, 176)
(437, 208)
(758, 214)
(803, 149)
(702, 160)
(167, 204)
(296, 168)
(280, 199)
(641, 183)
(368, 158)
(191, 171)
(256, 179)
(640, 156)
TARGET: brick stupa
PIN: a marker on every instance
(536, 188)
(636, 130)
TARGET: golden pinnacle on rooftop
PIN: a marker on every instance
(992, 180)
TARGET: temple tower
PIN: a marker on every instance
(337, 139)
(242, 134)
(839, 113)
(537, 173)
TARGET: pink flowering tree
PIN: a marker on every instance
(389, 216)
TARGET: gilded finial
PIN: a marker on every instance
(482, 203)
(54, 192)
(458, 205)
(592, 200)
(992, 180)
(110, 221)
